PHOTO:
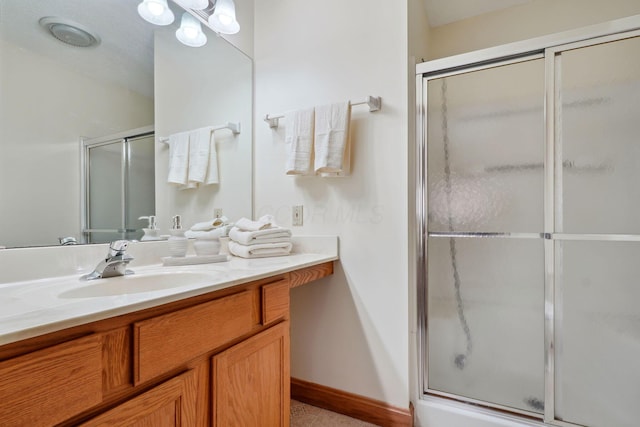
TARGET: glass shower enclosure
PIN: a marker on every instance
(119, 185)
(531, 221)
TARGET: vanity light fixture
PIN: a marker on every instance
(194, 4)
(156, 11)
(223, 19)
(190, 32)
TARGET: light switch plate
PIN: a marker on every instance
(296, 216)
(217, 213)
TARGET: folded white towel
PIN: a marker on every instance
(212, 170)
(259, 251)
(331, 137)
(299, 137)
(268, 235)
(265, 221)
(198, 154)
(210, 225)
(216, 233)
(178, 158)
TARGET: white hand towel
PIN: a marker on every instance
(331, 137)
(265, 221)
(212, 172)
(178, 158)
(269, 235)
(299, 138)
(198, 154)
(259, 251)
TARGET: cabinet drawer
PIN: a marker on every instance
(275, 301)
(165, 342)
(48, 386)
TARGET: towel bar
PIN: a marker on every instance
(374, 103)
(233, 126)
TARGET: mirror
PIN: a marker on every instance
(53, 94)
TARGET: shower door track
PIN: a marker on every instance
(547, 48)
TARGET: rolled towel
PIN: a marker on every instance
(211, 224)
(216, 233)
(299, 138)
(268, 235)
(331, 137)
(264, 222)
(259, 251)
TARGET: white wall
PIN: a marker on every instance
(197, 87)
(533, 19)
(45, 109)
(349, 331)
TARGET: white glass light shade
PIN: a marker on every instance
(223, 19)
(194, 4)
(190, 31)
(156, 11)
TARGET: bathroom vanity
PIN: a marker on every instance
(214, 354)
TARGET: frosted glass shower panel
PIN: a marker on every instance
(485, 320)
(599, 143)
(598, 342)
(485, 150)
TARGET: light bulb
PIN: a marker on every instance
(223, 19)
(190, 31)
(156, 11)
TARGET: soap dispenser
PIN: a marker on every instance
(177, 242)
(151, 232)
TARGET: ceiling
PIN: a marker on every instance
(441, 12)
(124, 56)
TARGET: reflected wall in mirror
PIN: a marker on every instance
(52, 94)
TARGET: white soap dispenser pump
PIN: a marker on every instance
(151, 232)
(178, 244)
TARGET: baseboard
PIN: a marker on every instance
(356, 406)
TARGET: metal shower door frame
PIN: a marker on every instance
(550, 48)
(86, 144)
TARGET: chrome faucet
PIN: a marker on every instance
(114, 264)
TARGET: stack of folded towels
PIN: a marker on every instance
(259, 239)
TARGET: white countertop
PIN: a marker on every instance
(35, 307)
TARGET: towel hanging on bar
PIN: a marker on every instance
(233, 126)
(374, 103)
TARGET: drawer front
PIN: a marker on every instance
(275, 301)
(167, 341)
(48, 386)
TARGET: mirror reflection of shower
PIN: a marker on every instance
(119, 185)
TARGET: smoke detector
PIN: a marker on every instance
(69, 32)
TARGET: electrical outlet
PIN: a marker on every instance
(217, 213)
(296, 215)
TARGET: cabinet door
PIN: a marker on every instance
(170, 404)
(251, 381)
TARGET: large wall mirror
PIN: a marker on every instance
(53, 95)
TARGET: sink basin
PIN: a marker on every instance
(137, 283)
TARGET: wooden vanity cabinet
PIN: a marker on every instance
(170, 404)
(251, 381)
(219, 359)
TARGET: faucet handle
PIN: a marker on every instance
(118, 247)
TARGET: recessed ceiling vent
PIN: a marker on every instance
(69, 32)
